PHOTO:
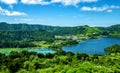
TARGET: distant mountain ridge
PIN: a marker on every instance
(24, 26)
(21, 26)
(86, 30)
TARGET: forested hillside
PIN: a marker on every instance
(86, 30)
(21, 35)
(22, 27)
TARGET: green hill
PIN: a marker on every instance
(25, 33)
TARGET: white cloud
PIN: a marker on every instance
(10, 13)
(42, 2)
(64, 2)
(72, 2)
(104, 8)
(45, 2)
(94, 8)
(88, 0)
(109, 10)
(9, 1)
(14, 13)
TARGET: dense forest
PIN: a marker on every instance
(61, 62)
(22, 35)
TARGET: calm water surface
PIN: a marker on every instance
(93, 46)
(43, 51)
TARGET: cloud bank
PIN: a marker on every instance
(99, 9)
(10, 13)
(45, 2)
(9, 1)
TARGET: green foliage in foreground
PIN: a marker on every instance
(60, 62)
(113, 49)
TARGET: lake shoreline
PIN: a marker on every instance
(100, 43)
(26, 49)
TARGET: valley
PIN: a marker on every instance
(28, 48)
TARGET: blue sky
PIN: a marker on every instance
(61, 12)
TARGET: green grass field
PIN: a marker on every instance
(12, 49)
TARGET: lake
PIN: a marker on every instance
(92, 46)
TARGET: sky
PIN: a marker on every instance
(61, 12)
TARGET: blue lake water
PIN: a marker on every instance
(93, 46)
